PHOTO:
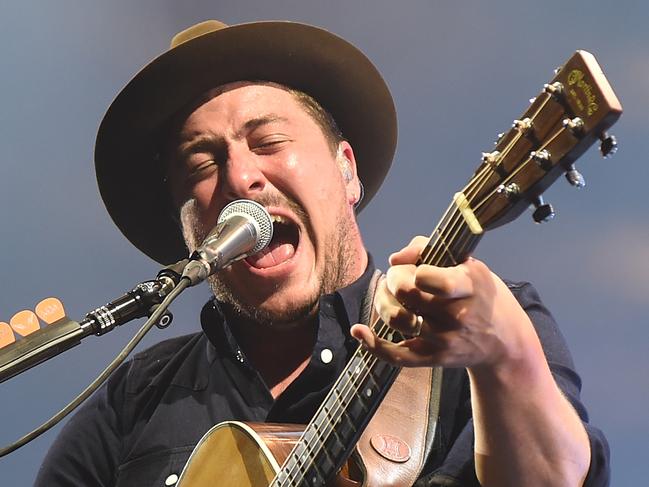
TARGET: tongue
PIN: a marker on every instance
(274, 254)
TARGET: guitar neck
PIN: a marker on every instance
(566, 118)
(330, 437)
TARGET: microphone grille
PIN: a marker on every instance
(255, 214)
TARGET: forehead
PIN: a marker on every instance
(243, 100)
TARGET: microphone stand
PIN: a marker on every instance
(65, 333)
(146, 296)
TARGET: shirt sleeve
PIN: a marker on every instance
(458, 469)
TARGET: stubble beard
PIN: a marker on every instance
(338, 271)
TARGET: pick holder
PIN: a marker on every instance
(64, 333)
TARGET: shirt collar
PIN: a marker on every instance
(346, 304)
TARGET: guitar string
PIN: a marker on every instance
(522, 166)
(483, 174)
(487, 170)
(321, 437)
(350, 392)
(352, 386)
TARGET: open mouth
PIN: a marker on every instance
(286, 237)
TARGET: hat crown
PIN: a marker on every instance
(196, 30)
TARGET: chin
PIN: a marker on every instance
(276, 307)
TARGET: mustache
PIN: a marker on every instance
(194, 231)
(280, 201)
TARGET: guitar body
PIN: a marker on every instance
(244, 455)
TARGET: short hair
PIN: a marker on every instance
(322, 117)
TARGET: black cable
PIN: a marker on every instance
(117, 361)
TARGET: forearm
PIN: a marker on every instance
(526, 431)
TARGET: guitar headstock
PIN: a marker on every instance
(573, 112)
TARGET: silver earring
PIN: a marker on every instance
(348, 175)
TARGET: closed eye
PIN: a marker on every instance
(269, 145)
(201, 170)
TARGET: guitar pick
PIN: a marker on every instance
(49, 310)
(24, 322)
(6, 335)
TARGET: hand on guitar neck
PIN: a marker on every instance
(465, 316)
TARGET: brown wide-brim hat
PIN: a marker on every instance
(331, 70)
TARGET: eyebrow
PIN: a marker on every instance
(257, 122)
(201, 143)
(210, 142)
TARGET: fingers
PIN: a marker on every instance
(449, 313)
(413, 352)
(415, 286)
(410, 253)
(393, 312)
(444, 282)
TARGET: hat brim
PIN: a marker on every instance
(307, 58)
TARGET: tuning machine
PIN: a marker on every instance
(543, 211)
(607, 145)
(575, 178)
(574, 125)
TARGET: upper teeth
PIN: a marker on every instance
(278, 219)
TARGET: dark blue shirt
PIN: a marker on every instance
(141, 426)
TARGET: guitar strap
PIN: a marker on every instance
(393, 448)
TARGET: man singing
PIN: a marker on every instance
(300, 121)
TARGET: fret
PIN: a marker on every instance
(329, 438)
(321, 433)
(345, 414)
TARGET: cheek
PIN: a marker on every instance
(204, 192)
(201, 198)
(292, 162)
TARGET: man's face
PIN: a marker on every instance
(256, 141)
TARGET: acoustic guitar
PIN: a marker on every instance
(570, 114)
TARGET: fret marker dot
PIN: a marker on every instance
(368, 392)
(326, 356)
(171, 480)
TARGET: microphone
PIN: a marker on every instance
(243, 228)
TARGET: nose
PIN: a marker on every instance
(243, 176)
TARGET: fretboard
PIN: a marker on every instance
(330, 437)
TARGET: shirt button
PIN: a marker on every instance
(171, 480)
(326, 355)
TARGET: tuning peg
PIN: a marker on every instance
(491, 158)
(608, 145)
(575, 125)
(575, 178)
(511, 190)
(555, 89)
(543, 212)
(542, 158)
(523, 126)
(499, 137)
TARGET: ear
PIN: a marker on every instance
(347, 164)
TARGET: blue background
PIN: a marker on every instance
(460, 73)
